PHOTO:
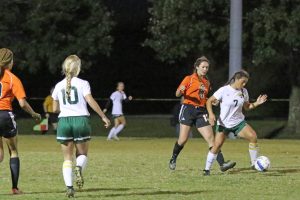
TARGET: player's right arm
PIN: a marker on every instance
(182, 87)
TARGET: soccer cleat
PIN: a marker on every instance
(227, 165)
(70, 192)
(79, 177)
(116, 138)
(16, 191)
(172, 164)
(206, 172)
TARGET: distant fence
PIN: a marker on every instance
(274, 108)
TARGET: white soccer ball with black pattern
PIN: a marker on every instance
(262, 164)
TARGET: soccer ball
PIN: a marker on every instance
(262, 163)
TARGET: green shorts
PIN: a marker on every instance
(235, 130)
(77, 129)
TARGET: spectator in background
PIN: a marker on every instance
(174, 120)
(48, 109)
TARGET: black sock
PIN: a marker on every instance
(176, 150)
(15, 171)
(220, 158)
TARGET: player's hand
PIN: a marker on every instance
(36, 116)
(215, 102)
(106, 122)
(212, 119)
(47, 115)
(130, 98)
(261, 99)
(105, 110)
(182, 88)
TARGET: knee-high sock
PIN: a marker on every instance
(220, 157)
(210, 160)
(176, 150)
(253, 152)
(119, 129)
(15, 171)
(111, 133)
(81, 161)
(68, 173)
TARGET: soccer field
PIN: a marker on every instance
(137, 168)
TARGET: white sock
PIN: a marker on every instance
(111, 133)
(119, 129)
(253, 151)
(68, 172)
(210, 160)
(81, 161)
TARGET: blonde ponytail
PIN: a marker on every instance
(6, 57)
(71, 68)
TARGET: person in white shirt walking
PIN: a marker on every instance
(233, 99)
(71, 96)
(116, 99)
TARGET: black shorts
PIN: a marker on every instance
(190, 115)
(53, 118)
(8, 125)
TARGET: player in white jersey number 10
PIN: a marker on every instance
(71, 96)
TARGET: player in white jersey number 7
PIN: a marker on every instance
(233, 99)
(116, 99)
(71, 96)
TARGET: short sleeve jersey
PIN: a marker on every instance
(76, 105)
(196, 90)
(117, 98)
(231, 103)
(10, 87)
(48, 103)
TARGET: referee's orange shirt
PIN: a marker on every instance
(196, 90)
(10, 87)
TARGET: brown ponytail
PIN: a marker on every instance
(6, 57)
(238, 75)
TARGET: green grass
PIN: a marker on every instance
(153, 126)
(138, 169)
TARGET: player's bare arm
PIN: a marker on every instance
(95, 106)
(260, 100)
(211, 115)
(27, 108)
(180, 91)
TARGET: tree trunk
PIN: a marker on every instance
(293, 126)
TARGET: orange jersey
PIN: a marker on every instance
(10, 87)
(196, 90)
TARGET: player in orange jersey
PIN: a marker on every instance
(195, 89)
(11, 87)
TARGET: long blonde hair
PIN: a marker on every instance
(6, 57)
(71, 68)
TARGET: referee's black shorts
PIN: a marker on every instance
(8, 125)
(192, 115)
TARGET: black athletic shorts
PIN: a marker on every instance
(191, 115)
(8, 125)
(53, 118)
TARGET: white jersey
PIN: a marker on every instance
(231, 103)
(117, 98)
(76, 105)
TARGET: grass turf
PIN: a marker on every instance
(137, 168)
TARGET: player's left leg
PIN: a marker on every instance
(67, 169)
(14, 163)
(120, 127)
(81, 161)
(113, 129)
(249, 134)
